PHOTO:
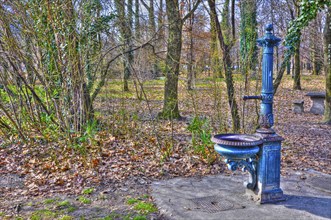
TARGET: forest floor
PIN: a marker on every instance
(108, 175)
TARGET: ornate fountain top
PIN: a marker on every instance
(268, 40)
(269, 27)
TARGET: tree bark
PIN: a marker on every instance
(125, 26)
(288, 68)
(327, 57)
(137, 20)
(160, 22)
(190, 74)
(296, 77)
(174, 47)
(214, 52)
(317, 51)
(280, 73)
(248, 36)
(152, 30)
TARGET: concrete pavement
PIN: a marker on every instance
(307, 196)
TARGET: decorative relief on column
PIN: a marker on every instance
(266, 120)
(267, 98)
(266, 71)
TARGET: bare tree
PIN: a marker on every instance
(227, 64)
(174, 48)
(327, 55)
(125, 26)
(297, 61)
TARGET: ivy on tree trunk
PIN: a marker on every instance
(248, 36)
(327, 55)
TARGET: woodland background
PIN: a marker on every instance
(99, 93)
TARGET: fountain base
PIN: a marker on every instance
(268, 170)
(259, 154)
(240, 151)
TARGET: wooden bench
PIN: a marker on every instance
(318, 102)
(298, 106)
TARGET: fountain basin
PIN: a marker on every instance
(237, 146)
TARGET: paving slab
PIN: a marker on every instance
(223, 197)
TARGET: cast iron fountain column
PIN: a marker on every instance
(268, 168)
(258, 153)
(268, 42)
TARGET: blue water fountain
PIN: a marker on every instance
(258, 153)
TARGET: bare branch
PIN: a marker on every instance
(191, 12)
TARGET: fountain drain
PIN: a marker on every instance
(213, 204)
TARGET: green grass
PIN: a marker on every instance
(114, 90)
(64, 203)
(145, 207)
(154, 94)
(145, 196)
(140, 217)
(29, 204)
(43, 214)
(84, 200)
(88, 191)
(71, 209)
(66, 206)
(204, 85)
(66, 217)
(49, 201)
(132, 201)
(116, 94)
(111, 217)
(142, 207)
(154, 82)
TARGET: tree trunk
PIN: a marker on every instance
(280, 73)
(151, 18)
(160, 23)
(327, 57)
(317, 53)
(152, 30)
(227, 67)
(170, 107)
(248, 36)
(137, 20)
(81, 109)
(316, 61)
(190, 74)
(152, 25)
(288, 68)
(215, 64)
(125, 27)
(296, 78)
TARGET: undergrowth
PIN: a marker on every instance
(201, 138)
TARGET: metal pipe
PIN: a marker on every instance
(268, 42)
(246, 97)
